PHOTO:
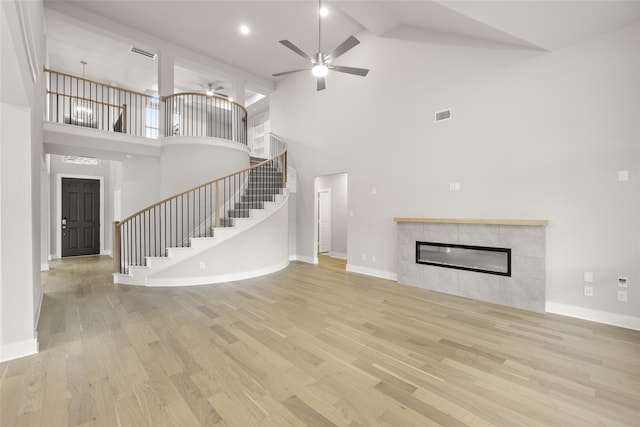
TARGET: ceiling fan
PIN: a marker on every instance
(323, 62)
(213, 89)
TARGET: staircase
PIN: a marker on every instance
(185, 239)
(263, 186)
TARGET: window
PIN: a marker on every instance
(152, 118)
(78, 160)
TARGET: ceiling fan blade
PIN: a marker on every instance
(350, 70)
(321, 84)
(296, 49)
(349, 43)
(284, 73)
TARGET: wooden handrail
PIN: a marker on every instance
(215, 181)
(93, 101)
(96, 82)
(164, 98)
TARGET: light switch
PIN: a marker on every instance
(623, 175)
(588, 276)
(457, 186)
(373, 190)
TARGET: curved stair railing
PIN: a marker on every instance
(198, 212)
(197, 114)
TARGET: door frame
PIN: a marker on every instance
(328, 191)
(59, 210)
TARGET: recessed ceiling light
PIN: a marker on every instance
(324, 11)
(244, 29)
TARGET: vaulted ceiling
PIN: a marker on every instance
(211, 29)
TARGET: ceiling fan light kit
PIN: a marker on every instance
(321, 62)
(210, 89)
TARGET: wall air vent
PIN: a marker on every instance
(443, 115)
(143, 52)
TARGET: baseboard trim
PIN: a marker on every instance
(44, 267)
(605, 317)
(303, 258)
(372, 272)
(18, 349)
(210, 280)
(338, 255)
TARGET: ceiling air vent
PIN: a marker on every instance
(443, 115)
(143, 52)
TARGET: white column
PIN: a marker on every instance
(237, 94)
(166, 61)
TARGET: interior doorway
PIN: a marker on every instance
(331, 216)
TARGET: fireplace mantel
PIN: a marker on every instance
(522, 222)
(524, 238)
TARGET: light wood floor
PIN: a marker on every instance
(311, 345)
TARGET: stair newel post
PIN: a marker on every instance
(284, 171)
(117, 262)
(217, 205)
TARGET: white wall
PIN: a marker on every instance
(21, 145)
(138, 180)
(337, 183)
(533, 135)
(187, 165)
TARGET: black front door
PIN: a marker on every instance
(80, 217)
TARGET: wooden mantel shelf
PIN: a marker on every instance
(524, 222)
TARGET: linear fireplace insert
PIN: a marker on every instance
(482, 259)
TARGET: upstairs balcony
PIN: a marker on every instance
(86, 117)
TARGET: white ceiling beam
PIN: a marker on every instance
(371, 15)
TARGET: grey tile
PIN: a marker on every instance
(440, 279)
(479, 234)
(409, 232)
(409, 273)
(524, 289)
(527, 267)
(484, 287)
(407, 253)
(441, 233)
(524, 245)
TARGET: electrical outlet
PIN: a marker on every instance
(373, 258)
(588, 276)
(588, 291)
(364, 257)
(201, 265)
(622, 296)
(622, 282)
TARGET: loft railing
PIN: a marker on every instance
(196, 114)
(171, 223)
(82, 102)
